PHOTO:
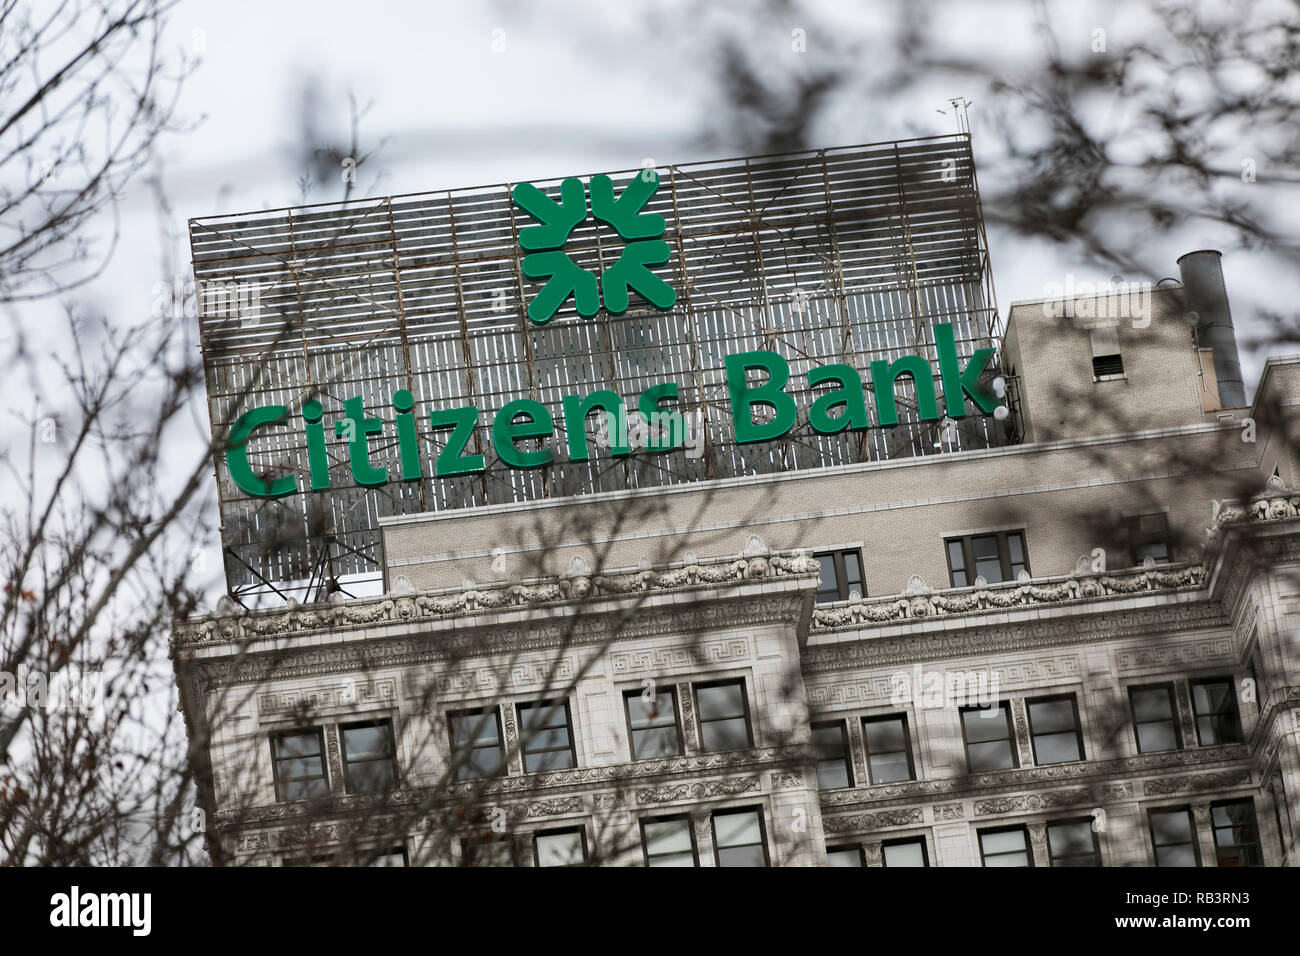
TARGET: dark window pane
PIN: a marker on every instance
(1072, 843)
(957, 564)
(547, 740)
(1215, 704)
(721, 700)
(1173, 836)
(853, 574)
(988, 563)
(1053, 726)
(1153, 718)
(844, 856)
(828, 586)
(725, 734)
(297, 745)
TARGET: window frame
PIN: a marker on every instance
(387, 724)
(455, 715)
(846, 754)
(736, 811)
(1230, 680)
(1174, 720)
(968, 568)
(842, 587)
(1073, 821)
(907, 744)
(1258, 842)
(1078, 727)
(1138, 539)
(847, 848)
(467, 851)
(278, 779)
(1008, 722)
(671, 691)
(1195, 840)
(701, 721)
(690, 831)
(557, 831)
(903, 841)
(543, 706)
(1021, 828)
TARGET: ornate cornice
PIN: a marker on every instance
(1097, 772)
(237, 626)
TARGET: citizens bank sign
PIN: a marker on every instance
(590, 334)
(839, 406)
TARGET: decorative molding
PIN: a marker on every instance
(1033, 802)
(1164, 786)
(877, 820)
(697, 791)
(949, 811)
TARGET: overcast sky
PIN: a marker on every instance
(471, 93)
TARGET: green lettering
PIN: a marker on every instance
(451, 461)
(358, 442)
(956, 381)
(408, 447)
(648, 406)
(318, 462)
(849, 395)
(237, 453)
(883, 376)
(576, 411)
(770, 394)
(506, 431)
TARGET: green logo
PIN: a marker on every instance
(547, 260)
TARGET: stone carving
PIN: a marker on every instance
(697, 791)
(1029, 803)
(787, 781)
(872, 821)
(949, 811)
(231, 623)
(1163, 786)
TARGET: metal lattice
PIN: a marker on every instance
(839, 255)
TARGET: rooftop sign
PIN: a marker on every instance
(395, 316)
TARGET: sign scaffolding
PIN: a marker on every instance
(842, 255)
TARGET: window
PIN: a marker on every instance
(547, 736)
(298, 764)
(368, 765)
(1155, 720)
(1107, 362)
(487, 852)
(1005, 846)
(476, 743)
(738, 838)
(989, 743)
(652, 724)
(841, 575)
(1173, 836)
(910, 852)
(561, 847)
(394, 856)
(831, 744)
(724, 715)
(1148, 537)
(1073, 843)
(994, 557)
(844, 856)
(1054, 729)
(1214, 702)
(1236, 836)
(889, 752)
(669, 842)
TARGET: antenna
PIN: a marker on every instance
(959, 104)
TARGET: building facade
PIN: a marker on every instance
(1078, 649)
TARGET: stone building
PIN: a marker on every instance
(1076, 649)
